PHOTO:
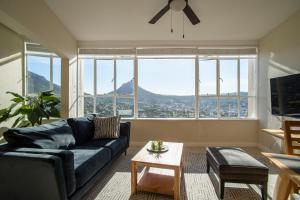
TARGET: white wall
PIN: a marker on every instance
(279, 55)
(35, 20)
(11, 48)
(196, 132)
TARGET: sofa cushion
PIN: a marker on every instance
(88, 161)
(231, 160)
(83, 128)
(55, 135)
(114, 145)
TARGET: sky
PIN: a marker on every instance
(161, 76)
(41, 66)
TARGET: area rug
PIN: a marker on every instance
(196, 183)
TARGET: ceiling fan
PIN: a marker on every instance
(177, 5)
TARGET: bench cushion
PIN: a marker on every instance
(229, 160)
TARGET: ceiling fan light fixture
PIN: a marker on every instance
(178, 5)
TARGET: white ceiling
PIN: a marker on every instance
(221, 20)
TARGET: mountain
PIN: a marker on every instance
(37, 83)
(146, 96)
(151, 105)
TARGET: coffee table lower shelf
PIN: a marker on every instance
(156, 180)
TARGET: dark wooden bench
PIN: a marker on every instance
(236, 166)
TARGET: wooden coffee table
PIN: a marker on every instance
(161, 173)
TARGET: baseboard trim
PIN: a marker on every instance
(205, 144)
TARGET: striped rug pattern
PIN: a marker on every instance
(196, 183)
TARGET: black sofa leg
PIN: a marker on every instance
(125, 152)
(264, 191)
(207, 166)
(222, 185)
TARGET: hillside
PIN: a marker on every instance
(151, 104)
(37, 83)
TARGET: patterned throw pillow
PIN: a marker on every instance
(107, 127)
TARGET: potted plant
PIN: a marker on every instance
(30, 110)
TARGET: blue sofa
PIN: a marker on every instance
(59, 160)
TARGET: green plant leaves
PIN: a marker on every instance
(15, 95)
(31, 110)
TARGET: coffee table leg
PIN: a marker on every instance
(177, 183)
(283, 187)
(133, 178)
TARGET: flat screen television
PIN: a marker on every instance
(285, 96)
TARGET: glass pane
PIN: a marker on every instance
(208, 77)
(166, 88)
(105, 76)
(125, 76)
(88, 78)
(228, 107)
(38, 74)
(208, 107)
(104, 106)
(228, 77)
(247, 107)
(247, 67)
(88, 105)
(125, 107)
(56, 75)
(156, 110)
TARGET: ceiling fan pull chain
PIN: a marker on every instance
(182, 25)
(171, 21)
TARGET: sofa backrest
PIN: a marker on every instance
(83, 128)
(55, 135)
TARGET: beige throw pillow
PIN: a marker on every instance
(107, 127)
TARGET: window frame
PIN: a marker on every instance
(198, 96)
(51, 56)
(115, 95)
(218, 87)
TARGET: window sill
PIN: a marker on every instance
(189, 119)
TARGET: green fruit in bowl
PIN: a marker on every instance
(156, 145)
(153, 145)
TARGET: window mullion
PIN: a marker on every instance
(51, 72)
(218, 88)
(95, 86)
(197, 98)
(238, 87)
(26, 74)
(115, 87)
(135, 87)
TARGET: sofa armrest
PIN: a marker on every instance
(125, 131)
(67, 158)
(31, 176)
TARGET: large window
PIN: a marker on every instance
(108, 86)
(43, 73)
(170, 86)
(166, 88)
(226, 87)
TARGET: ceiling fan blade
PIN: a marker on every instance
(191, 15)
(159, 14)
